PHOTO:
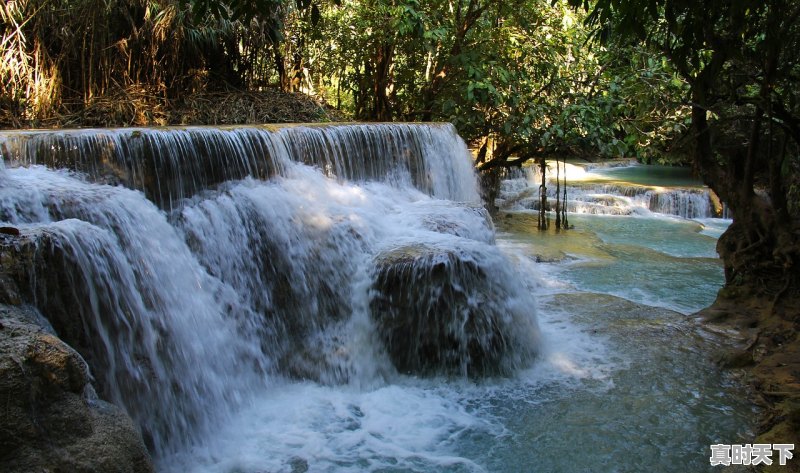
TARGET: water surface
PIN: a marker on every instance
(233, 307)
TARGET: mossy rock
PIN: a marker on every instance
(51, 420)
(439, 311)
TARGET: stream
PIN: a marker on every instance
(227, 280)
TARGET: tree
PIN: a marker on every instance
(742, 62)
(60, 55)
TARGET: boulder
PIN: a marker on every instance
(51, 420)
(35, 268)
(446, 311)
(461, 219)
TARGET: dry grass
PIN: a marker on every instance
(141, 106)
(29, 84)
(267, 106)
(137, 63)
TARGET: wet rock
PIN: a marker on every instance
(38, 268)
(322, 358)
(558, 258)
(441, 311)
(298, 465)
(51, 420)
(464, 220)
(35, 268)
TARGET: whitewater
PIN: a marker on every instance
(228, 280)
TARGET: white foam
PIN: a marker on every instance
(714, 227)
(403, 426)
(199, 312)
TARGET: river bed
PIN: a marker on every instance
(624, 381)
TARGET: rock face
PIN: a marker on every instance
(51, 421)
(36, 269)
(439, 311)
(464, 220)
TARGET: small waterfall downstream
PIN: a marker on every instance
(197, 268)
(604, 191)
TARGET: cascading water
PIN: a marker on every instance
(335, 299)
(168, 342)
(609, 191)
(261, 263)
(171, 164)
(675, 217)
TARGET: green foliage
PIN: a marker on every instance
(644, 100)
(519, 74)
(740, 61)
(267, 12)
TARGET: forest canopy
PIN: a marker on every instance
(518, 79)
(741, 61)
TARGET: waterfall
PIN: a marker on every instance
(683, 203)
(591, 193)
(196, 267)
(151, 312)
(170, 164)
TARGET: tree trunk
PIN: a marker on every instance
(558, 195)
(543, 196)
(362, 95)
(280, 66)
(759, 250)
(564, 222)
(382, 106)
